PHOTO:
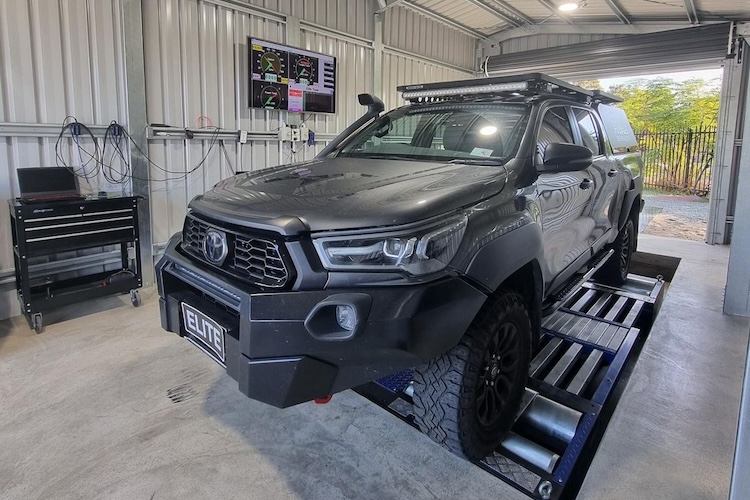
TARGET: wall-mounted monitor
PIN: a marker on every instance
(291, 79)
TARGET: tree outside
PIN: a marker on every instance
(664, 104)
(675, 122)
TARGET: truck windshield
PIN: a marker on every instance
(490, 132)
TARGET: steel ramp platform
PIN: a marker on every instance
(585, 345)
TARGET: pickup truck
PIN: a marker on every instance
(433, 237)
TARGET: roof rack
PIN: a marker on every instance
(529, 84)
(605, 98)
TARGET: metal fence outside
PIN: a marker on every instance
(678, 161)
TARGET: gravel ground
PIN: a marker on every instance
(675, 216)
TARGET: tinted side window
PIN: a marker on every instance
(555, 128)
(589, 131)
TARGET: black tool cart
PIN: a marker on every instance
(46, 230)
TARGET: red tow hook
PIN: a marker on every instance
(322, 401)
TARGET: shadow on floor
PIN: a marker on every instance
(65, 313)
(348, 448)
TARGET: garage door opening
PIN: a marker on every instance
(675, 117)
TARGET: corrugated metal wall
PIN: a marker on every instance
(56, 59)
(60, 58)
(350, 16)
(414, 33)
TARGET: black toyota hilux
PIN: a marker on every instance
(431, 237)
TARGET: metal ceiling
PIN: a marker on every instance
(491, 19)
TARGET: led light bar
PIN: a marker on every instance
(491, 88)
(529, 85)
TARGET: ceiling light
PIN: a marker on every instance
(488, 130)
(568, 6)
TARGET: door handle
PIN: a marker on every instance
(587, 183)
(613, 172)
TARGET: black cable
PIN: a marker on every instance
(180, 175)
(113, 136)
(76, 130)
(226, 157)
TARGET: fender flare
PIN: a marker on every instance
(500, 258)
(628, 202)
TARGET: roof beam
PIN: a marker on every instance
(692, 12)
(438, 17)
(507, 14)
(618, 11)
(554, 10)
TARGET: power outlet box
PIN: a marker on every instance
(290, 133)
(304, 133)
(285, 132)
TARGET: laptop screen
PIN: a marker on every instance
(47, 180)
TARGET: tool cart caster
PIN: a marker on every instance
(135, 298)
(37, 323)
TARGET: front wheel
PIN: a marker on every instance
(615, 271)
(467, 399)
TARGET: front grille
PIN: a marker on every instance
(255, 259)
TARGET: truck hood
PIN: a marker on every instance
(347, 193)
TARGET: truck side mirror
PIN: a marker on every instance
(560, 157)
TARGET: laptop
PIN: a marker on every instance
(43, 184)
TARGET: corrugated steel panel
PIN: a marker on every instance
(354, 76)
(543, 41)
(350, 16)
(407, 30)
(468, 14)
(60, 58)
(531, 8)
(676, 50)
(56, 59)
(403, 70)
(474, 17)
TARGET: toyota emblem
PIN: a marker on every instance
(215, 247)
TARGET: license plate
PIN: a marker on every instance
(207, 332)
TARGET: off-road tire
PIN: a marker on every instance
(451, 392)
(615, 271)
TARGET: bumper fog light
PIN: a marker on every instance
(346, 317)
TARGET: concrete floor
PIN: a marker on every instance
(672, 434)
(106, 405)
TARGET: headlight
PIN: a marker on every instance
(416, 251)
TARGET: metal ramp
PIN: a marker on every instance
(585, 346)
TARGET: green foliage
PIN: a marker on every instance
(589, 84)
(664, 104)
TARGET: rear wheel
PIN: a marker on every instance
(467, 398)
(615, 271)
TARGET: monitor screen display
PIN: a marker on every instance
(291, 79)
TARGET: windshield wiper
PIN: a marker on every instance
(477, 161)
(380, 157)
